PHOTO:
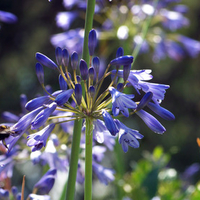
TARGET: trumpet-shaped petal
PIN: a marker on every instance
(104, 175)
(42, 116)
(39, 139)
(151, 122)
(45, 184)
(127, 136)
(162, 112)
(37, 102)
(23, 124)
(110, 125)
(121, 102)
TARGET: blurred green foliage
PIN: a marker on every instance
(151, 178)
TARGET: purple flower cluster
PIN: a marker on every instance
(51, 116)
(163, 35)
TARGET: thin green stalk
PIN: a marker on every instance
(78, 123)
(144, 33)
(88, 27)
(88, 159)
(74, 159)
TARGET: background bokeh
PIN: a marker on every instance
(36, 23)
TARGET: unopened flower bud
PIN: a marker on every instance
(78, 93)
(109, 122)
(63, 97)
(65, 57)
(78, 78)
(58, 53)
(83, 69)
(92, 42)
(120, 52)
(74, 60)
(122, 60)
(126, 71)
(39, 73)
(91, 73)
(62, 83)
(120, 87)
(96, 64)
(145, 100)
(45, 61)
(91, 91)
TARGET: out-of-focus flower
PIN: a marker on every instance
(7, 17)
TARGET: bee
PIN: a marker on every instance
(5, 132)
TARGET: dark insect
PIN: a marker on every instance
(5, 132)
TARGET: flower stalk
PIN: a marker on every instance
(88, 158)
(78, 123)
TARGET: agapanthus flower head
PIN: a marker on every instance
(83, 90)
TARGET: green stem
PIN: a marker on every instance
(78, 123)
(144, 32)
(74, 159)
(88, 159)
(88, 27)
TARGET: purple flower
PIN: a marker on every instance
(98, 153)
(173, 20)
(62, 83)
(23, 124)
(45, 184)
(7, 162)
(121, 102)
(92, 42)
(122, 60)
(39, 139)
(45, 61)
(151, 122)
(127, 136)
(74, 36)
(4, 194)
(39, 73)
(99, 130)
(104, 175)
(42, 116)
(63, 97)
(7, 17)
(74, 60)
(37, 102)
(110, 125)
(192, 47)
(78, 93)
(162, 112)
(64, 19)
(83, 69)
